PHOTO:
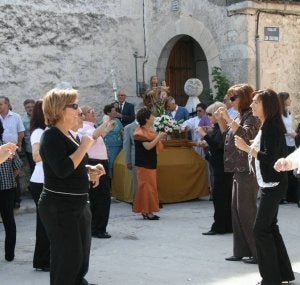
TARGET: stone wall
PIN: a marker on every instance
(45, 42)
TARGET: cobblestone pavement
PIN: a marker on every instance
(169, 251)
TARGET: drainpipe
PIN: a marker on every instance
(141, 85)
(257, 53)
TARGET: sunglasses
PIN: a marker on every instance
(233, 98)
(209, 114)
(73, 106)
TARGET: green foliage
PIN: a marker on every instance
(221, 83)
(207, 96)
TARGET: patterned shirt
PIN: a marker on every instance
(7, 168)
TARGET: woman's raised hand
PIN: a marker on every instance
(224, 114)
(283, 164)
(7, 150)
(161, 136)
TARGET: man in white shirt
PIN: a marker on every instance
(99, 196)
(12, 123)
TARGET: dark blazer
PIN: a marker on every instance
(128, 114)
(215, 142)
(272, 147)
(181, 114)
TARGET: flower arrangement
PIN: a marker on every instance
(166, 124)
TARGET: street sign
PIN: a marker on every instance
(271, 34)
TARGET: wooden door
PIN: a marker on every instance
(179, 69)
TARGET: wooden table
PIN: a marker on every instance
(181, 176)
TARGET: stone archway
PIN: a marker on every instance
(164, 40)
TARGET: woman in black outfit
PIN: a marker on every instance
(63, 205)
(268, 146)
(214, 143)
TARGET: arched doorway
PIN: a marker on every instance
(186, 60)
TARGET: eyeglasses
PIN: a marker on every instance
(209, 114)
(233, 98)
(73, 106)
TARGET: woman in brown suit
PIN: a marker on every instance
(245, 188)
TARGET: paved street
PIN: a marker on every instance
(169, 251)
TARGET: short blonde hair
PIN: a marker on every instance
(214, 107)
(55, 101)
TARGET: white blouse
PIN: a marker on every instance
(290, 141)
(256, 145)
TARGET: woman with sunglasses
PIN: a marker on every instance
(245, 188)
(63, 205)
(268, 146)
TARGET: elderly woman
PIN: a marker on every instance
(222, 183)
(147, 142)
(63, 205)
(245, 188)
(41, 257)
(269, 145)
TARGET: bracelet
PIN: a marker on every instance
(250, 152)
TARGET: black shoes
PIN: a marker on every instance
(151, 218)
(44, 268)
(17, 205)
(9, 257)
(210, 233)
(233, 258)
(101, 235)
(250, 260)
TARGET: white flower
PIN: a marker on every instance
(166, 124)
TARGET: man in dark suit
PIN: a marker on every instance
(125, 111)
(176, 112)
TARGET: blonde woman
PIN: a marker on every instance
(63, 204)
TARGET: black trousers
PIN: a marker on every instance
(291, 186)
(100, 199)
(30, 161)
(67, 220)
(7, 213)
(273, 261)
(222, 202)
(41, 257)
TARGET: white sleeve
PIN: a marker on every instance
(36, 136)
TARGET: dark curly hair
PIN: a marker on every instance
(142, 116)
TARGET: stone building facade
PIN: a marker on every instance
(82, 42)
